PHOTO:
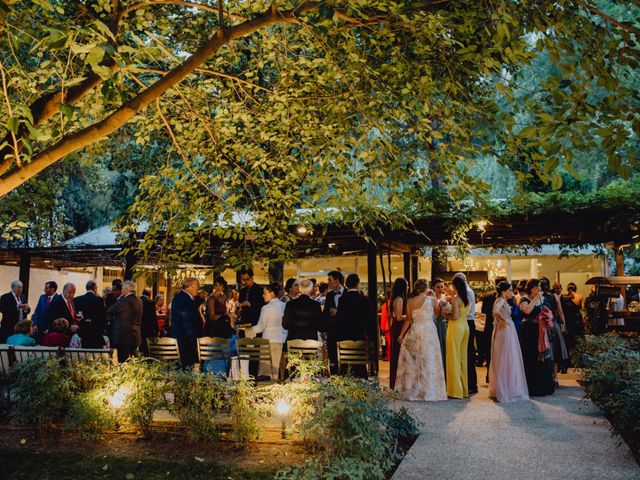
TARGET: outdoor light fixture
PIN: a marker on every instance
(283, 407)
(120, 396)
(302, 230)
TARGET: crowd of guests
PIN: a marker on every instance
(118, 318)
(303, 309)
(528, 328)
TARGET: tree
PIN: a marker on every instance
(292, 104)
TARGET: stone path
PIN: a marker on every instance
(558, 437)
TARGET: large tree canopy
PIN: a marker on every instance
(355, 105)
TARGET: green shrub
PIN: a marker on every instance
(611, 378)
(43, 391)
(91, 414)
(243, 401)
(198, 400)
(349, 424)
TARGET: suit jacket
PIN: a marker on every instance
(10, 314)
(354, 320)
(127, 317)
(41, 309)
(185, 320)
(92, 308)
(254, 296)
(302, 318)
(57, 309)
(149, 327)
(329, 303)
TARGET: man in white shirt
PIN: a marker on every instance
(471, 347)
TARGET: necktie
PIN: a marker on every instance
(73, 314)
(48, 302)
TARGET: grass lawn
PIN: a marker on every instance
(23, 464)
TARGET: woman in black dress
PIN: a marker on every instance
(398, 316)
(537, 364)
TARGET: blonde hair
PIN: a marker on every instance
(60, 324)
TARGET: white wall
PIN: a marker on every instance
(37, 279)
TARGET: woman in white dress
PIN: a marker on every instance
(420, 373)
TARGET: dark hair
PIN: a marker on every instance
(147, 292)
(220, 281)
(573, 286)
(514, 285)
(522, 285)
(500, 279)
(531, 284)
(314, 281)
(503, 287)
(419, 286)
(117, 283)
(436, 281)
(399, 289)
(23, 326)
(337, 275)
(545, 284)
(289, 284)
(461, 287)
(323, 286)
(352, 280)
(53, 285)
(247, 271)
(273, 288)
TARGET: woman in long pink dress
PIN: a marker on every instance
(507, 382)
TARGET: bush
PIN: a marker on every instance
(43, 390)
(198, 399)
(349, 423)
(90, 413)
(611, 378)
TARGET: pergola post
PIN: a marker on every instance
(406, 259)
(130, 261)
(620, 269)
(276, 272)
(25, 272)
(414, 270)
(372, 279)
(437, 264)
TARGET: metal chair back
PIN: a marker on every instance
(354, 353)
(254, 350)
(163, 348)
(214, 348)
(305, 348)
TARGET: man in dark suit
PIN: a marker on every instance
(50, 289)
(127, 317)
(14, 308)
(116, 292)
(92, 307)
(62, 306)
(186, 325)
(335, 281)
(149, 328)
(250, 298)
(354, 319)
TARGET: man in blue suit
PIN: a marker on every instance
(186, 325)
(50, 289)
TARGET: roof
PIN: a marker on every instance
(613, 281)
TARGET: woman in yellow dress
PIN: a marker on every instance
(457, 339)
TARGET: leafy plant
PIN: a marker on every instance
(91, 414)
(198, 401)
(611, 378)
(243, 400)
(43, 391)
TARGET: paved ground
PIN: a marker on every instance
(558, 437)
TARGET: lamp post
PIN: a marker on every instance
(283, 407)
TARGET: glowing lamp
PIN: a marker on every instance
(118, 399)
(283, 407)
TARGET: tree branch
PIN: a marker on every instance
(47, 106)
(126, 112)
(183, 3)
(607, 18)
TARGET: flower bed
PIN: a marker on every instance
(345, 424)
(610, 374)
